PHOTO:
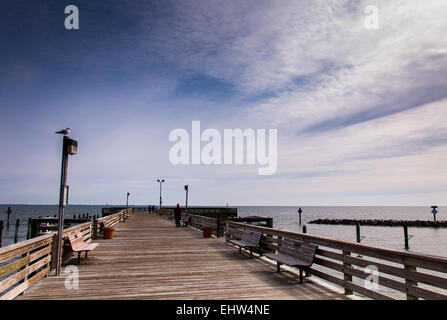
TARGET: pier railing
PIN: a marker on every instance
(24, 263)
(111, 220)
(377, 273)
(199, 221)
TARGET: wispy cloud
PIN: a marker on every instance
(359, 112)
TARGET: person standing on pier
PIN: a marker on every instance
(177, 215)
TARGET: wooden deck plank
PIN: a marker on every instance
(151, 259)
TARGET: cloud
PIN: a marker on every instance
(374, 73)
(359, 112)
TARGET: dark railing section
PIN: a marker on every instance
(39, 226)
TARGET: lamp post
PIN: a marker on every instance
(127, 201)
(160, 182)
(69, 147)
(186, 207)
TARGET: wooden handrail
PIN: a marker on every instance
(198, 221)
(337, 256)
(23, 264)
(111, 220)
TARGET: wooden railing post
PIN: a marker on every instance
(27, 256)
(50, 256)
(54, 251)
(346, 277)
(218, 228)
(409, 282)
(95, 228)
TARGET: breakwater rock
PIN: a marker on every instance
(386, 223)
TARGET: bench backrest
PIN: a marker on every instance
(298, 249)
(76, 240)
(104, 224)
(252, 237)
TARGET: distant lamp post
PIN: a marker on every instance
(69, 147)
(186, 189)
(127, 201)
(160, 182)
(434, 211)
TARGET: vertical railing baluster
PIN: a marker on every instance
(346, 277)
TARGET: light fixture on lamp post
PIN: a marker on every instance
(69, 147)
(160, 182)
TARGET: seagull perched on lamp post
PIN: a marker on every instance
(64, 132)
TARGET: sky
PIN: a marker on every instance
(360, 112)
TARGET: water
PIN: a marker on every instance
(23, 212)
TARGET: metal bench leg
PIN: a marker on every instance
(251, 253)
(240, 249)
(301, 275)
(278, 266)
(86, 254)
(79, 257)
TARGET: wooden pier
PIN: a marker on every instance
(149, 258)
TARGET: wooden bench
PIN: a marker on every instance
(78, 245)
(294, 253)
(250, 239)
(185, 219)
